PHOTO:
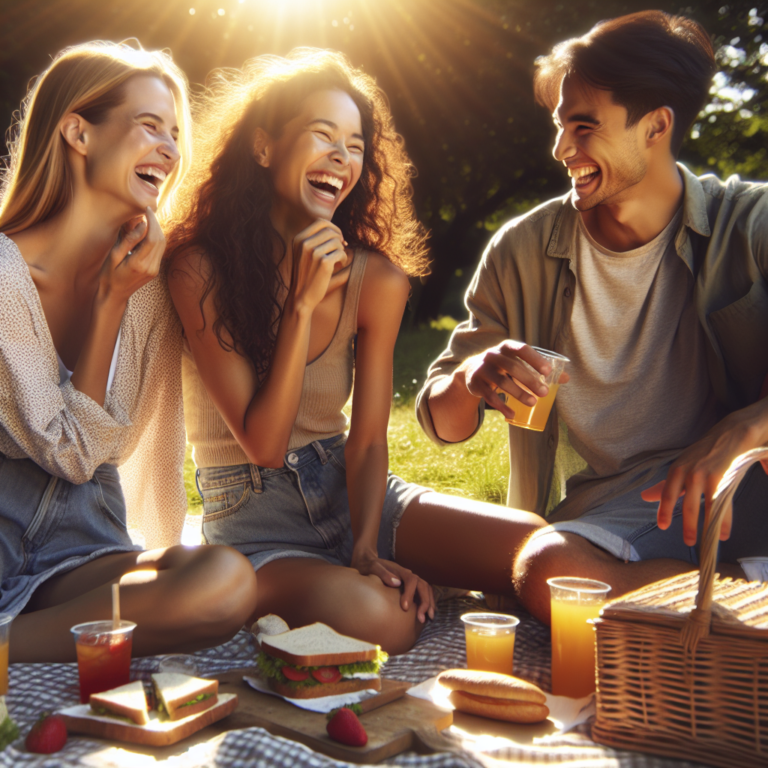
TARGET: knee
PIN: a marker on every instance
(226, 588)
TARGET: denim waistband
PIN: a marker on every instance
(222, 477)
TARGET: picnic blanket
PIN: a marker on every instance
(45, 687)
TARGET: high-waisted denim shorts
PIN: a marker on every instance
(49, 526)
(298, 510)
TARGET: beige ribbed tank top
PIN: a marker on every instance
(325, 390)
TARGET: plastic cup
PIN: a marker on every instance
(535, 416)
(574, 602)
(5, 633)
(490, 640)
(181, 664)
(103, 656)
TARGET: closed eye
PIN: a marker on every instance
(327, 136)
(357, 148)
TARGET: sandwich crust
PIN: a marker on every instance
(304, 647)
(128, 701)
(492, 684)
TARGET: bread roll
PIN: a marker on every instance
(499, 709)
(491, 684)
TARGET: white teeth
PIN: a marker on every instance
(326, 178)
(583, 170)
(151, 170)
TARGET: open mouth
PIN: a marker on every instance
(583, 175)
(151, 176)
(326, 184)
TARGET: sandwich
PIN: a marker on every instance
(316, 661)
(268, 625)
(127, 702)
(180, 696)
(490, 694)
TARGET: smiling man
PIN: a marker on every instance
(654, 283)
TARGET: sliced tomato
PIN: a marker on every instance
(297, 675)
(326, 674)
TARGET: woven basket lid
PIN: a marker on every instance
(739, 608)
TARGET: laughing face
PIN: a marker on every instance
(132, 152)
(317, 159)
(603, 156)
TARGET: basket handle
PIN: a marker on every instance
(698, 622)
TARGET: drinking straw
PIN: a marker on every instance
(115, 606)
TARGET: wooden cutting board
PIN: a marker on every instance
(394, 722)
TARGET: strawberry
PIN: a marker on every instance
(347, 729)
(47, 735)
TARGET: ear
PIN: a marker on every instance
(262, 147)
(660, 124)
(74, 129)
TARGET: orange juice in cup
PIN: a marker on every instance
(103, 656)
(574, 602)
(490, 640)
(535, 416)
(5, 630)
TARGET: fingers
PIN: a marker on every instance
(653, 493)
(694, 490)
(388, 578)
(671, 491)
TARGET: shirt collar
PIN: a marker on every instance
(563, 239)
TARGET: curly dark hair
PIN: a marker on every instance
(222, 210)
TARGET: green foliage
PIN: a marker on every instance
(9, 732)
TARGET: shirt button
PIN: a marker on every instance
(292, 458)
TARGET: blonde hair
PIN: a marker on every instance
(87, 79)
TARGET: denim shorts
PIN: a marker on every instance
(626, 526)
(298, 510)
(49, 526)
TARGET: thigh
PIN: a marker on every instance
(303, 591)
(459, 542)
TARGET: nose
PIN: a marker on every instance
(340, 154)
(169, 150)
(564, 147)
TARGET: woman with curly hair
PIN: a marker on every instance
(90, 367)
(294, 236)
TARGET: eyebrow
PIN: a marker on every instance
(158, 119)
(579, 117)
(335, 127)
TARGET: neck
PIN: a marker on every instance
(638, 215)
(73, 244)
(288, 225)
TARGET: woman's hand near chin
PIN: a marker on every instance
(318, 252)
(134, 259)
(367, 562)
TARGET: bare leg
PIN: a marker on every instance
(182, 599)
(458, 542)
(304, 590)
(568, 554)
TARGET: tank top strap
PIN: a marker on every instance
(348, 319)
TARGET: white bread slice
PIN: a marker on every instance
(126, 701)
(175, 691)
(493, 684)
(317, 645)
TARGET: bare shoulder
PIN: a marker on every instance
(382, 275)
(188, 272)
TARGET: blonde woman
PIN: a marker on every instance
(89, 366)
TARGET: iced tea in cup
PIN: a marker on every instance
(5, 633)
(535, 416)
(490, 639)
(574, 603)
(103, 655)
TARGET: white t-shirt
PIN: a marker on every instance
(639, 391)
(65, 374)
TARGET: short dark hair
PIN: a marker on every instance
(647, 60)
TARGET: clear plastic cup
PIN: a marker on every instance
(182, 664)
(490, 640)
(103, 656)
(755, 568)
(574, 602)
(535, 416)
(5, 634)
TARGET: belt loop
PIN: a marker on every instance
(320, 452)
(255, 478)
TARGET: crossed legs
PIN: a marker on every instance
(181, 599)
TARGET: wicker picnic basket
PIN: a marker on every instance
(682, 665)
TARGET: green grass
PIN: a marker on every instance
(477, 469)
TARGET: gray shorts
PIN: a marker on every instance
(626, 526)
(297, 510)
